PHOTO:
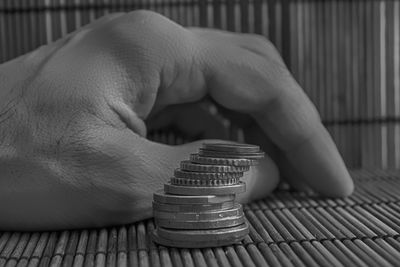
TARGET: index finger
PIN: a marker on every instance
(293, 124)
(250, 83)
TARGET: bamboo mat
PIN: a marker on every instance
(346, 56)
(286, 229)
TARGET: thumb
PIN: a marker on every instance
(154, 165)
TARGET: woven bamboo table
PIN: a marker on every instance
(286, 229)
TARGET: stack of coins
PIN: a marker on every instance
(197, 207)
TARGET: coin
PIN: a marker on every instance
(233, 147)
(235, 232)
(187, 165)
(196, 225)
(204, 182)
(197, 244)
(206, 175)
(236, 210)
(219, 154)
(161, 197)
(192, 207)
(205, 190)
(196, 158)
(189, 212)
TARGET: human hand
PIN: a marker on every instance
(73, 119)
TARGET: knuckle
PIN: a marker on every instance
(130, 23)
(145, 19)
(144, 14)
(143, 27)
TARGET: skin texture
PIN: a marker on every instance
(74, 116)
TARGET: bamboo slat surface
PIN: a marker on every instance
(288, 228)
(346, 56)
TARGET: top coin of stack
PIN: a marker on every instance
(197, 207)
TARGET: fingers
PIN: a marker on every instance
(255, 43)
(253, 84)
(156, 63)
(307, 146)
(255, 135)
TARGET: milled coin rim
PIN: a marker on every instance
(203, 225)
(178, 173)
(162, 197)
(202, 190)
(187, 165)
(196, 158)
(203, 182)
(204, 235)
(192, 207)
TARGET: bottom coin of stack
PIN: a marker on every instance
(197, 208)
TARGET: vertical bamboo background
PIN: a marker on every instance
(345, 54)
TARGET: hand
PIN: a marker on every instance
(73, 151)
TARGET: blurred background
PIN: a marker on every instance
(345, 55)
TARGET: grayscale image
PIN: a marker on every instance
(199, 133)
